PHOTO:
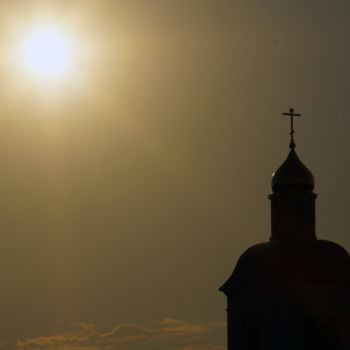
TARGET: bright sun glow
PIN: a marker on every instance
(47, 52)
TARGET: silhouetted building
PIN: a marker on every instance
(293, 292)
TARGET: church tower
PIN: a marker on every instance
(293, 292)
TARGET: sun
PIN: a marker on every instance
(47, 52)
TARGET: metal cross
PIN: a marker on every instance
(291, 114)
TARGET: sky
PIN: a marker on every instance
(130, 188)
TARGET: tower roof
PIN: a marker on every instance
(292, 175)
(289, 262)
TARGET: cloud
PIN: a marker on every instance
(202, 347)
(172, 320)
(51, 340)
(168, 334)
(85, 326)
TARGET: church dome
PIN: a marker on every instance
(292, 175)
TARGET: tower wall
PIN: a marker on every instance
(292, 215)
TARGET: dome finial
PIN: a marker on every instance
(291, 114)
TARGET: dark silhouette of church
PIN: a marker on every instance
(293, 292)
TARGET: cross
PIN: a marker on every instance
(291, 114)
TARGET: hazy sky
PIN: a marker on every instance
(128, 191)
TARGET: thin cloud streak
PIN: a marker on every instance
(202, 347)
(165, 334)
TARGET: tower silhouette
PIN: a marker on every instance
(293, 292)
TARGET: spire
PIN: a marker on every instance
(292, 200)
(291, 114)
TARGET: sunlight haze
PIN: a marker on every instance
(48, 52)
